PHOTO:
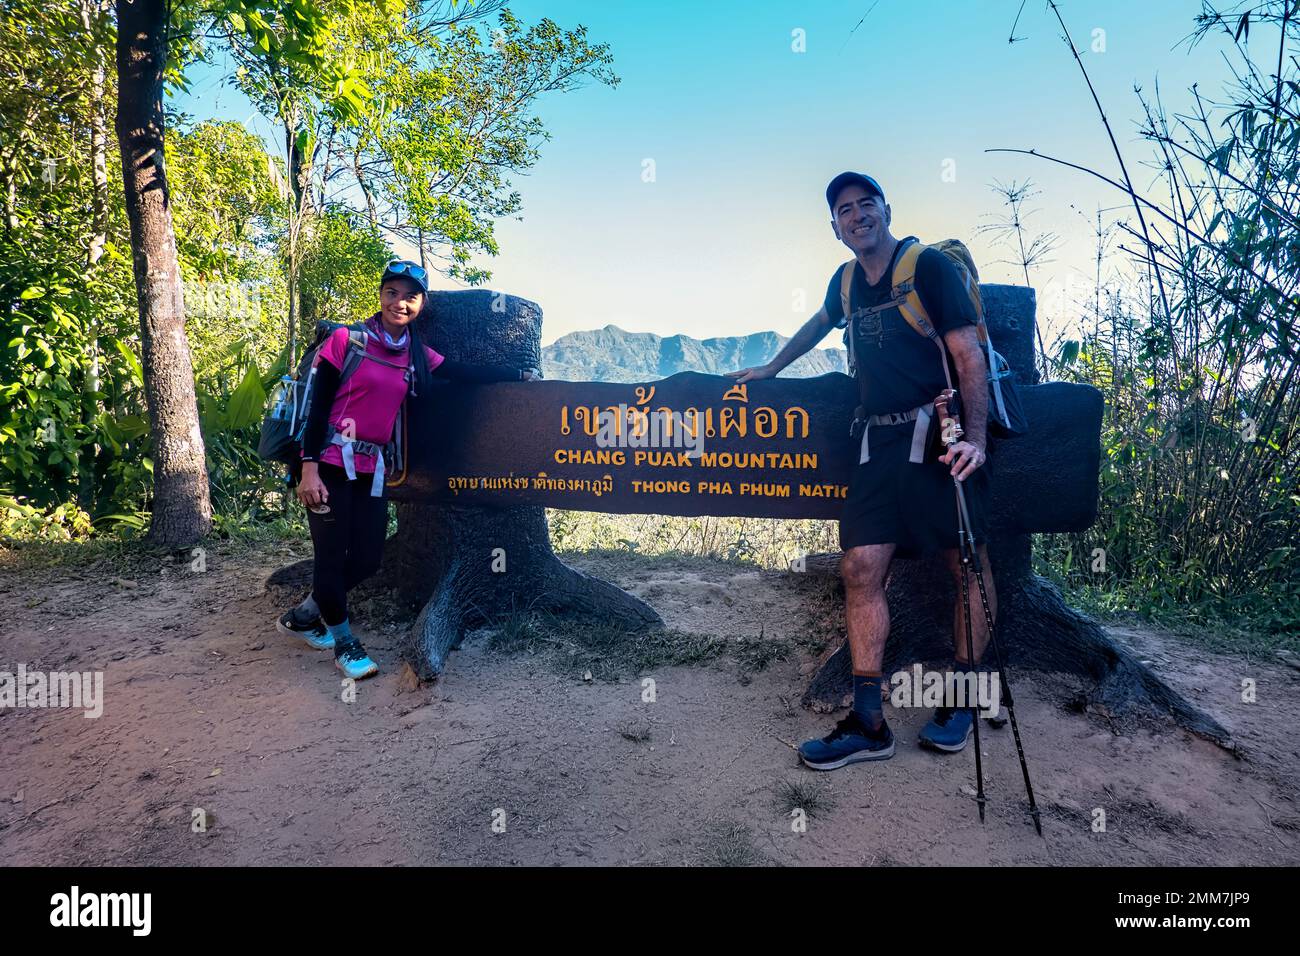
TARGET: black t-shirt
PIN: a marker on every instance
(898, 368)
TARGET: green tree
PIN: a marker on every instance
(65, 288)
(1202, 439)
(182, 512)
(433, 166)
(286, 31)
(230, 217)
(297, 93)
(341, 264)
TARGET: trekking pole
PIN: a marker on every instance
(952, 431)
(970, 662)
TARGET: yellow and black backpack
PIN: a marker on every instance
(1006, 417)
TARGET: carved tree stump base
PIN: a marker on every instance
(472, 566)
(1036, 630)
(442, 560)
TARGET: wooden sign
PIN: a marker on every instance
(696, 444)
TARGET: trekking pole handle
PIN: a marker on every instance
(948, 407)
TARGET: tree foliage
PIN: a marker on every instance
(1201, 479)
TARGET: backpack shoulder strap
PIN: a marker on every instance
(356, 351)
(909, 301)
(846, 286)
(904, 288)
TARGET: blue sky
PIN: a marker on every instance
(733, 235)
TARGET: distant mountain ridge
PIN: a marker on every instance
(612, 354)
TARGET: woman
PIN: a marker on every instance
(340, 488)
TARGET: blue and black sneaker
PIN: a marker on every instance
(313, 631)
(851, 741)
(351, 658)
(949, 729)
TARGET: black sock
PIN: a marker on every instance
(866, 699)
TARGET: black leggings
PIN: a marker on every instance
(348, 540)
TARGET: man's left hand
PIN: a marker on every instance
(964, 458)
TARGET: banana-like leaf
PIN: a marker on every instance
(137, 373)
(247, 401)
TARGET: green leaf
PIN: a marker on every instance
(137, 373)
(132, 426)
(247, 402)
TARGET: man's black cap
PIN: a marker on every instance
(851, 179)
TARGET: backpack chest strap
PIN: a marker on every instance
(358, 353)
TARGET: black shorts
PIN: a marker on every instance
(914, 506)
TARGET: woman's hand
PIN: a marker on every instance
(311, 490)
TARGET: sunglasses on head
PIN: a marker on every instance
(402, 267)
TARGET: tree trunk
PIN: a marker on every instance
(182, 513)
(93, 21)
(295, 210)
(300, 211)
(365, 191)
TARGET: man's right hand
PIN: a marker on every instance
(752, 374)
(311, 490)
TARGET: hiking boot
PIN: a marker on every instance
(351, 658)
(313, 631)
(850, 742)
(949, 729)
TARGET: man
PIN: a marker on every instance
(901, 500)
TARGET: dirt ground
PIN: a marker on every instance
(516, 759)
